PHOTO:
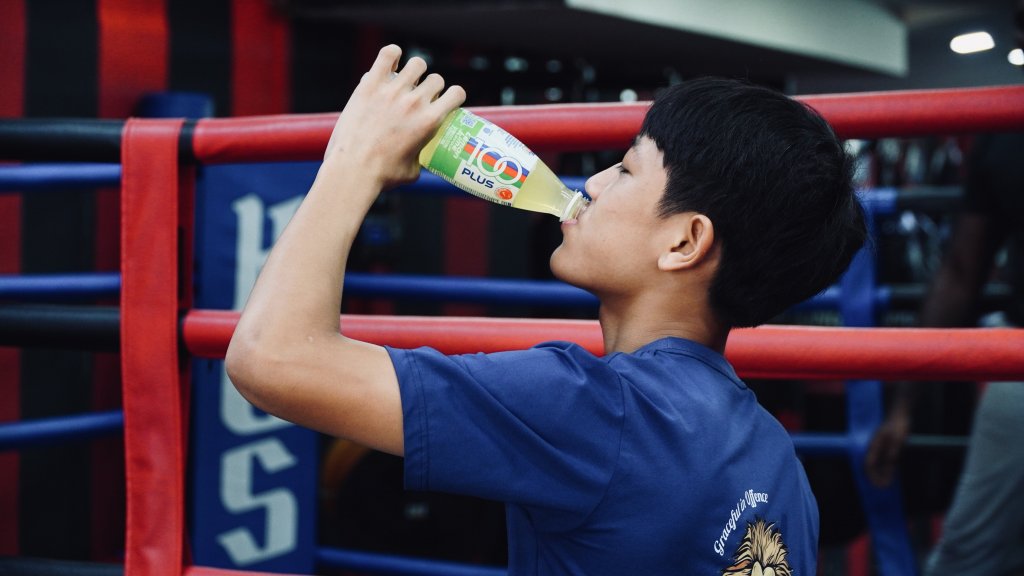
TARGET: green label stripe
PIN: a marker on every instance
(450, 150)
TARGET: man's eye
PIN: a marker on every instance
(621, 169)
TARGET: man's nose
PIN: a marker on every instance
(596, 183)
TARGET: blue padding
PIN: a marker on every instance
(820, 444)
(574, 182)
(883, 507)
(878, 201)
(59, 287)
(59, 429)
(175, 105)
(827, 300)
(29, 177)
(399, 566)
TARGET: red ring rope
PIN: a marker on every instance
(784, 352)
(575, 127)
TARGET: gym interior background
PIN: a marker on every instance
(99, 58)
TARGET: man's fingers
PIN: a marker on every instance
(386, 62)
(430, 87)
(451, 99)
(412, 71)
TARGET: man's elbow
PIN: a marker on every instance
(249, 368)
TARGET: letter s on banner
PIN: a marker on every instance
(281, 509)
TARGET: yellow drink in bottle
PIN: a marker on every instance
(486, 161)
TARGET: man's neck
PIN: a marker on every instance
(628, 326)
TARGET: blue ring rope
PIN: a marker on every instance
(26, 433)
(62, 287)
(33, 177)
(82, 286)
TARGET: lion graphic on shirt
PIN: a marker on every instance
(761, 552)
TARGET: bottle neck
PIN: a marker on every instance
(574, 207)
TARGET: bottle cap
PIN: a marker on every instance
(573, 208)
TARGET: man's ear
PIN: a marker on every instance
(693, 237)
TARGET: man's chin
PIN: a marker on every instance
(562, 269)
(557, 265)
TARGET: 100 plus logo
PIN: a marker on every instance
(489, 166)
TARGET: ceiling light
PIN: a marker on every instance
(1016, 57)
(973, 42)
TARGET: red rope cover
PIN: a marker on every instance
(789, 352)
(922, 112)
(576, 127)
(154, 446)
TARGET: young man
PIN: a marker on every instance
(732, 204)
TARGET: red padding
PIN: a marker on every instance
(575, 127)
(13, 26)
(259, 66)
(12, 105)
(154, 447)
(796, 352)
(133, 53)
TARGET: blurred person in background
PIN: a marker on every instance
(983, 532)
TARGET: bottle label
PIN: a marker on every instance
(482, 159)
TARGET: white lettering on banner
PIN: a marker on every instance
(238, 415)
(250, 250)
(281, 512)
(750, 499)
(281, 518)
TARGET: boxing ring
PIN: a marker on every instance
(158, 330)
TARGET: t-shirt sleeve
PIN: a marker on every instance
(538, 427)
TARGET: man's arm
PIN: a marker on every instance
(287, 356)
(953, 297)
(952, 301)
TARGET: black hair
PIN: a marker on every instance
(775, 182)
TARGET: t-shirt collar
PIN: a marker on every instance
(694, 349)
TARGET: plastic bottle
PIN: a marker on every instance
(479, 157)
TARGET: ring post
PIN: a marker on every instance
(883, 507)
(153, 379)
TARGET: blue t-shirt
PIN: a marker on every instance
(656, 462)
